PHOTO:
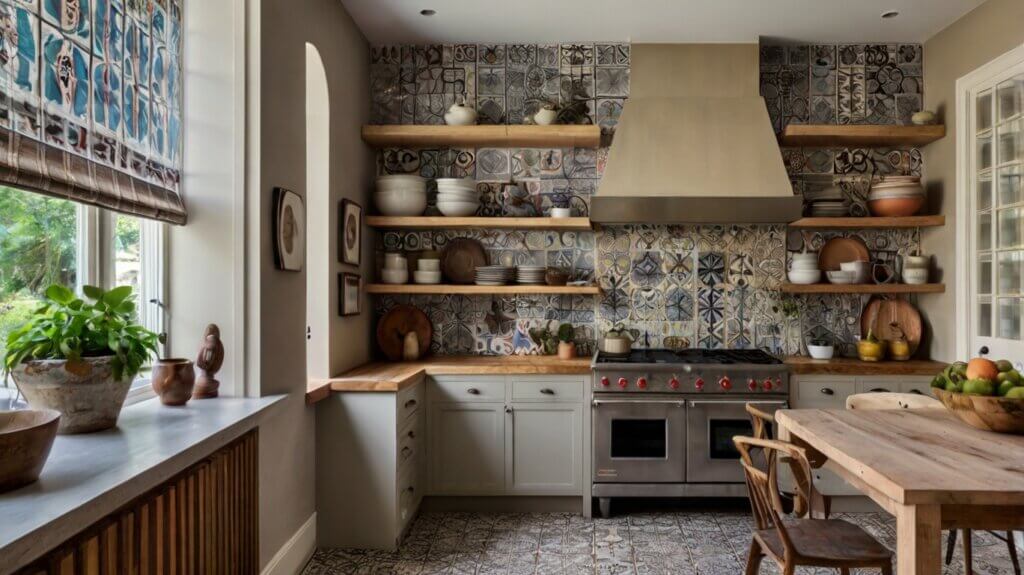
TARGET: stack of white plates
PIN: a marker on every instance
(457, 196)
(830, 209)
(401, 195)
(804, 269)
(494, 275)
(533, 275)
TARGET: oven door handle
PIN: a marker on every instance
(696, 402)
(600, 402)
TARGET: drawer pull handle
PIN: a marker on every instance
(411, 489)
(473, 391)
(411, 434)
(827, 391)
(508, 409)
(547, 391)
(406, 452)
(916, 392)
(410, 404)
(879, 390)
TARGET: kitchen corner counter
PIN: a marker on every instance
(799, 365)
(393, 376)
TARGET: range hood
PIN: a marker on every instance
(694, 143)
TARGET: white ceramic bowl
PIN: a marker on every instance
(395, 276)
(841, 277)
(561, 212)
(468, 183)
(429, 265)
(457, 197)
(392, 179)
(401, 202)
(395, 261)
(917, 262)
(426, 277)
(804, 277)
(801, 257)
(915, 276)
(821, 351)
(456, 208)
(861, 270)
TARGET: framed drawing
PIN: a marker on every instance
(289, 230)
(349, 296)
(350, 236)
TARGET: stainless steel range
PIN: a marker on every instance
(663, 420)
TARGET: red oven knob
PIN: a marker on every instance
(752, 384)
(725, 383)
(699, 384)
(767, 385)
(623, 383)
(673, 383)
(642, 383)
(778, 382)
(605, 382)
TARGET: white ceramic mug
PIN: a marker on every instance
(561, 212)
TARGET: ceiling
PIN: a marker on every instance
(642, 21)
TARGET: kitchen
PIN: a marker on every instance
(552, 288)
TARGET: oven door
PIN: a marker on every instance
(639, 441)
(711, 456)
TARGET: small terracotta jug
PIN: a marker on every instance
(566, 350)
(173, 380)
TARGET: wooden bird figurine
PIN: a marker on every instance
(209, 362)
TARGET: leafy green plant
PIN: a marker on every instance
(545, 339)
(101, 325)
(566, 333)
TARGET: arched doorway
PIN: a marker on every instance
(318, 210)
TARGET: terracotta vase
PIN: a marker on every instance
(173, 380)
(566, 350)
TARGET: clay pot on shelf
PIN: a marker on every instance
(173, 381)
(546, 116)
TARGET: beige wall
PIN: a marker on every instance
(991, 29)
(287, 478)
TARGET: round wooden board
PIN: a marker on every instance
(396, 323)
(841, 250)
(460, 259)
(900, 311)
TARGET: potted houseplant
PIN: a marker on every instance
(79, 356)
(566, 343)
(544, 339)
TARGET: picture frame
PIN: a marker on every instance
(350, 232)
(350, 288)
(289, 230)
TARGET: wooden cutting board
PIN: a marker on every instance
(396, 323)
(886, 311)
(460, 259)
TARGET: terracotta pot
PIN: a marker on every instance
(173, 380)
(84, 391)
(566, 350)
(25, 441)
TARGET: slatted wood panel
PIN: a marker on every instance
(203, 521)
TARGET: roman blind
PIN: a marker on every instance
(91, 102)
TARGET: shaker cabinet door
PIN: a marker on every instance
(467, 448)
(544, 449)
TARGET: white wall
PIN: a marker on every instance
(318, 209)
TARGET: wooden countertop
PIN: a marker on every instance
(799, 365)
(393, 376)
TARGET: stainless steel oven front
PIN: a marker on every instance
(639, 440)
(711, 456)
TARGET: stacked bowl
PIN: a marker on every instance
(804, 269)
(494, 275)
(531, 275)
(401, 195)
(396, 269)
(457, 197)
(896, 196)
(428, 271)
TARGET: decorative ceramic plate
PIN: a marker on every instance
(842, 250)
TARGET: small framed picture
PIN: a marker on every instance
(289, 230)
(350, 236)
(349, 296)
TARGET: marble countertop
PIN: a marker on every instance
(89, 476)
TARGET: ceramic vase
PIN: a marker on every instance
(84, 392)
(566, 350)
(174, 380)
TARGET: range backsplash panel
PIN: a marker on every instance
(708, 286)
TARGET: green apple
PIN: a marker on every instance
(979, 386)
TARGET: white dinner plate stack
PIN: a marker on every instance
(531, 275)
(457, 197)
(494, 275)
(828, 203)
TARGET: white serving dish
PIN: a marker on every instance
(804, 277)
(426, 277)
(401, 202)
(457, 209)
(915, 276)
(821, 351)
(840, 277)
(861, 270)
(429, 265)
(394, 276)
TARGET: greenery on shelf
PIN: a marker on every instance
(566, 333)
(101, 325)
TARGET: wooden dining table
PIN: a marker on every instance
(924, 466)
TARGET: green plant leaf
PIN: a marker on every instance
(114, 297)
(60, 294)
(93, 292)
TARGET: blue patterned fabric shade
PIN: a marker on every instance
(90, 102)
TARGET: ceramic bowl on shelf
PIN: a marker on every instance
(429, 265)
(426, 277)
(394, 276)
(561, 212)
(861, 271)
(896, 207)
(821, 351)
(804, 265)
(840, 277)
(401, 202)
(457, 208)
(804, 277)
(915, 276)
(401, 181)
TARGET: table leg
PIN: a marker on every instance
(918, 540)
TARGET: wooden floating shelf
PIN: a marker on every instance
(407, 136)
(863, 288)
(513, 289)
(829, 136)
(424, 222)
(869, 223)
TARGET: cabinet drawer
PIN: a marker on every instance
(410, 442)
(868, 385)
(468, 389)
(823, 393)
(408, 496)
(531, 389)
(409, 400)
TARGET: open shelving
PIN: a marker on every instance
(870, 136)
(461, 223)
(852, 223)
(496, 136)
(449, 289)
(862, 288)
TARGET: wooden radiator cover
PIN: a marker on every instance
(204, 520)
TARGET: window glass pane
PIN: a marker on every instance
(985, 231)
(1009, 318)
(1010, 189)
(985, 319)
(984, 111)
(985, 274)
(127, 254)
(1010, 272)
(1010, 232)
(985, 151)
(1008, 97)
(985, 191)
(1009, 141)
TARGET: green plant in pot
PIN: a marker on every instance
(545, 339)
(79, 356)
(566, 341)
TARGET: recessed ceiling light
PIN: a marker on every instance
(428, 12)
(890, 14)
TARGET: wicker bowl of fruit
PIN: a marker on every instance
(984, 394)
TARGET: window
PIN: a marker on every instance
(45, 240)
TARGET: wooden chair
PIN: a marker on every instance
(794, 542)
(879, 400)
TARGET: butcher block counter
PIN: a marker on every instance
(393, 376)
(799, 365)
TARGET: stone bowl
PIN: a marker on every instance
(26, 437)
(84, 391)
(988, 413)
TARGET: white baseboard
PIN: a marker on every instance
(293, 555)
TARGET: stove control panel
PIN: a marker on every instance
(708, 381)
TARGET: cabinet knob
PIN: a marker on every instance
(473, 391)
(410, 403)
(879, 390)
(827, 391)
(547, 391)
(508, 409)
(411, 434)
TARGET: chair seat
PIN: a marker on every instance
(828, 539)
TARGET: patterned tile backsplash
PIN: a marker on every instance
(707, 286)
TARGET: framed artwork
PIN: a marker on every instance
(289, 230)
(350, 236)
(349, 288)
